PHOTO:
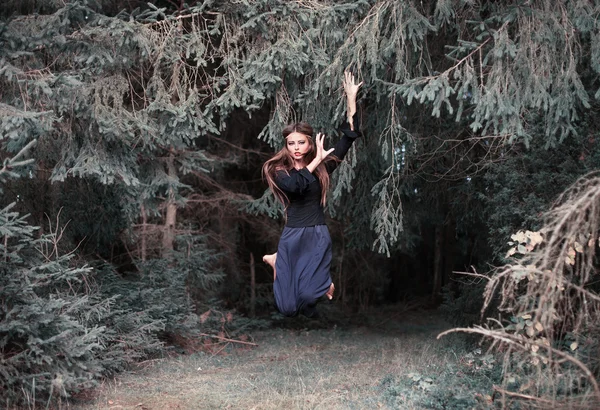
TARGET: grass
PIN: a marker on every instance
(382, 360)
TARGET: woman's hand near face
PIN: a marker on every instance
(321, 151)
(320, 154)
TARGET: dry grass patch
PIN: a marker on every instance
(341, 367)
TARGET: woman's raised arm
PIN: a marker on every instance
(351, 89)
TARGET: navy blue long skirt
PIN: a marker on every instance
(303, 261)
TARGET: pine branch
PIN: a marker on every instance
(13, 162)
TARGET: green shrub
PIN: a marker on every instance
(463, 308)
(64, 324)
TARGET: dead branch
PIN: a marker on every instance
(524, 344)
(476, 275)
(522, 396)
(229, 340)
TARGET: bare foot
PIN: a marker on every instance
(329, 293)
(271, 259)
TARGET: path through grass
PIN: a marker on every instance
(386, 361)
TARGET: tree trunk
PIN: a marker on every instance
(252, 286)
(171, 212)
(41, 205)
(341, 276)
(437, 265)
(449, 249)
(144, 239)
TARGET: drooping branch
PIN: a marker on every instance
(15, 161)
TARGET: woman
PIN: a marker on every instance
(298, 175)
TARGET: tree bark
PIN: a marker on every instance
(252, 286)
(437, 265)
(449, 249)
(171, 211)
(144, 239)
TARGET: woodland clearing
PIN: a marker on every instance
(383, 360)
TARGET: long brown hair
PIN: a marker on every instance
(283, 161)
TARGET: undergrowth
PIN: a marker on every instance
(66, 325)
(464, 383)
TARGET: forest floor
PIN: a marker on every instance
(389, 359)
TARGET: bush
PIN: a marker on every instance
(64, 324)
(463, 308)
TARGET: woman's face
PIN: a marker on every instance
(298, 146)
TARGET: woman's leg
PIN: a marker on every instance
(271, 259)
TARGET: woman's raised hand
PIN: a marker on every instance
(350, 85)
(322, 153)
(351, 89)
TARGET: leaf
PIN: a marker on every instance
(574, 346)
(538, 326)
(578, 247)
(518, 237)
(535, 238)
(535, 348)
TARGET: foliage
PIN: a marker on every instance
(453, 82)
(520, 188)
(549, 292)
(63, 327)
(49, 341)
(470, 378)
(513, 195)
(65, 324)
(475, 116)
(463, 307)
(173, 78)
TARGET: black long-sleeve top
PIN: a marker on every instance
(303, 189)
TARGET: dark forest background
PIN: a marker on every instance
(133, 214)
